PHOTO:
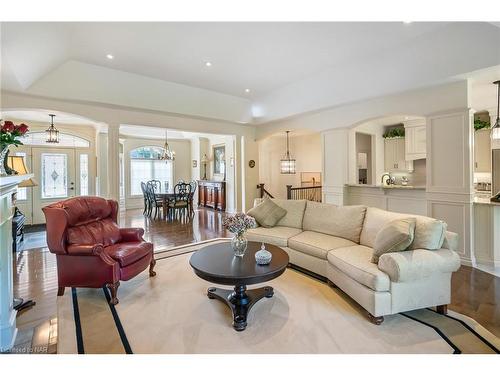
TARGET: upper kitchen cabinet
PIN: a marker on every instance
(415, 140)
(394, 153)
(482, 150)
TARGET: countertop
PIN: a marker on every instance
(408, 187)
(478, 200)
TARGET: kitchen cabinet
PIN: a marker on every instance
(394, 156)
(415, 142)
(482, 151)
(362, 160)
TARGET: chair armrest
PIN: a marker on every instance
(418, 264)
(95, 249)
(131, 234)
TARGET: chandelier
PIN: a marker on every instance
(168, 154)
(52, 132)
(495, 130)
(287, 164)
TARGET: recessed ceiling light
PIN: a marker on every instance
(110, 56)
(407, 22)
(208, 63)
(247, 90)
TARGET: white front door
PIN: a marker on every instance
(54, 170)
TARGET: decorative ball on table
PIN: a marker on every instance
(263, 257)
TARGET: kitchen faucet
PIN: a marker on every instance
(390, 179)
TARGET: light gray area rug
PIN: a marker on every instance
(171, 314)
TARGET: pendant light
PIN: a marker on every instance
(495, 130)
(52, 132)
(168, 155)
(287, 164)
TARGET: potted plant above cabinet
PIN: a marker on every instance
(394, 151)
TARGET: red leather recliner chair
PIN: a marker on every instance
(92, 251)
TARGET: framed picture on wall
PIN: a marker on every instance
(219, 153)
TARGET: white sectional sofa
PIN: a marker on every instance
(336, 243)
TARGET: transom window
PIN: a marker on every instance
(65, 140)
(145, 165)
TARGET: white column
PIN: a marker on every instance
(450, 190)
(114, 161)
(335, 151)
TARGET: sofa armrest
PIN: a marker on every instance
(418, 264)
(131, 234)
(85, 249)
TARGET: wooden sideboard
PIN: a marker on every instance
(212, 194)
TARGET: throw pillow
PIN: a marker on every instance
(267, 213)
(397, 235)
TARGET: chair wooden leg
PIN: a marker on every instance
(151, 266)
(377, 320)
(113, 288)
(60, 291)
(442, 309)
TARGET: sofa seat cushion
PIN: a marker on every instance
(317, 244)
(275, 236)
(127, 253)
(355, 262)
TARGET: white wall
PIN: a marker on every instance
(417, 103)
(243, 135)
(98, 84)
(306, 149)
(449, 189)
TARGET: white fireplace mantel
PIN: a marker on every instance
(8, 330)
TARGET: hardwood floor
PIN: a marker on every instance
(474, 293)
(35, 275)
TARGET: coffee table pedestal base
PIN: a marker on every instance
(240, 301)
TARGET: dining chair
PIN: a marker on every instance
(145, 197)
(154, 201)
(182, 194)
(194, 185)
(156, 185)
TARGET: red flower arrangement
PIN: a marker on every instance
(10, 133)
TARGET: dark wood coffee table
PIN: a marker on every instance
(217, 264)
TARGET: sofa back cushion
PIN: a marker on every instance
(339, 221)
(294, 212)
(267, 213)
(429, 232)
(396, 235)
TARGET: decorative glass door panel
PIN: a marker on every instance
(55, 169)
(54, 176)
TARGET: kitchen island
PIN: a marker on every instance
(396, 198)
(487, 235)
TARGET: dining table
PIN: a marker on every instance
(165, 196)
